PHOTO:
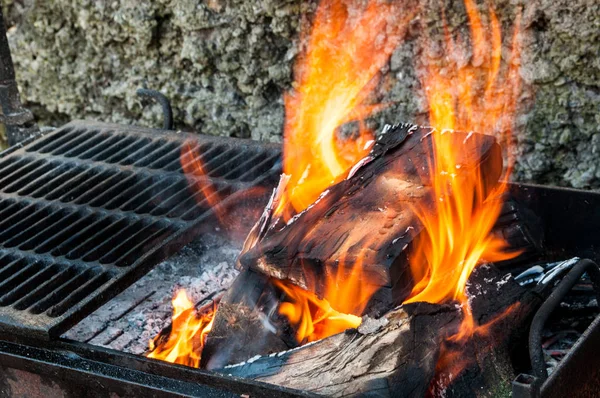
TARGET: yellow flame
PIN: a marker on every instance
(346, 50)
(188, 334)
(457, 230)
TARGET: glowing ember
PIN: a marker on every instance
(457, 232)
(188, 334)
(347, 47)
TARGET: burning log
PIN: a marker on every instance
(368, 218)
(242, 326)
(393, 356)
(414, 350)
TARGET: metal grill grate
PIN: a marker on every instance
(89, 208)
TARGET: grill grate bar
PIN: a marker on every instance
(163, 189)
(69, 144)
(100, 234)
(21, 171)
(54, 140)
(92, 142)
(128, 258)
(261, 169)
(31, 177)
(107, 145)
(36, 228)
(91, 285)
(30, 202)
(144, 151)
(43, 176)
(171, 157)
(48, 186)
(162, 148)
(37, 241)
(87, 209)
(42, 291)
(120, 148)
(28, 285)
(62, 290)
(240, 168)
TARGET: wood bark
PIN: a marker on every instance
(368, 216)
(396, 357)
(244, 323)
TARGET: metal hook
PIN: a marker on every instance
(164, 102)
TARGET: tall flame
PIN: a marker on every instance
(347, 47)
(457, 232)
(188, 334)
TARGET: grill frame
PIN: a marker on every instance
(72, 199)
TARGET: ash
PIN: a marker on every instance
(128, 321)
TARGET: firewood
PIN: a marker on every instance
(393, 356)
(367, 217)
(242, 326)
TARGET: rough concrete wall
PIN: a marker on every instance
(226, 63)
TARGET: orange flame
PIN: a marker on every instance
(453, 360)
(347, 47)
(313, 318)
(457, 231)
(196, 174)
(188, 334)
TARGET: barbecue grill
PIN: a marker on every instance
(88, 209)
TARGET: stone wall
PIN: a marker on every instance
(226, 63)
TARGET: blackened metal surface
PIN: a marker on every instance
(578, 374)
(17, 120)
(569, 219)
(556, 297)
(89, 208)
(65, 369)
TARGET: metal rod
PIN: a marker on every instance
(164, 103)
(535, 333)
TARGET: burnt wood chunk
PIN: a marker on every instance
(367, 218)
(241, 327)
(396, 356)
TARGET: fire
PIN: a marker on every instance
(188, 334)
(313, 318)
(196, 174)
(349, 43)
(334, 78)
(346, 49)
(453, 360)
(457, 231)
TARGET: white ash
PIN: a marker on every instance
(370, 325)
(140, 312)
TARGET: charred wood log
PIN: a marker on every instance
(243, 325)
(393, 356)
(367, 217)
(484, 363)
